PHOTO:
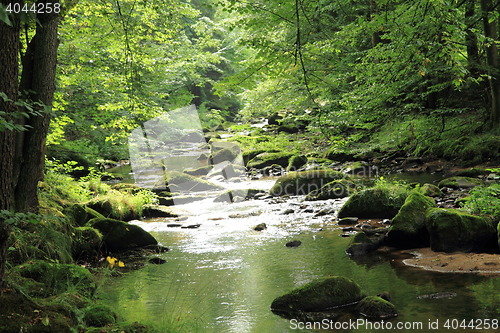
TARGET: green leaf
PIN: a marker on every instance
(4, 16)
(45, 321)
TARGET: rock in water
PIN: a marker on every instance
(157, 261)
(377, 308)
(319, 295)
(294, 243)
(260, 227)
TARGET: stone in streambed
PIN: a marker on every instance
(294, 243)
(377, 308)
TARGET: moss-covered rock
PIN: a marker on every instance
(304, 182)
(184, 182)
(408, 226)
(374, 203)
(98, 316)
(333, 190)
(222, 156)
(103, 207)
(119, 236)
(361, 244)
(460, 183)
(319, 295)
(57, 278)
(201, 171)
(250, 154)
(430, 190)
(454, 230)
(151, 211)
(76, 214)
(91, 214)
(127, 188)
(473, 172)
(267, 159)
(296, 162)
(376, 308)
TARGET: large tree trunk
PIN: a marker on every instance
(471, 38)
(39, 71)
(9, 47)
(490, 31)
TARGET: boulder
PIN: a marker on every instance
(103, 207)
(334, 190)
(250, 154)
(373, 203)
(304, 182)
(319, 295)
(152, 211)
(376, 308)
(408, 226)
(260, 227)
(430, 190)
(223, 156)
(296, 162)
(86, 242)
(454, 230)
(287, 129)
(267, 159)
(361, 244)
(274, 119)
(184, 182)
(76, 214)
(119, 236)
(192, 137)
(460, 183)
(201, 171)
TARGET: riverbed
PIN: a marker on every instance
(223, 276)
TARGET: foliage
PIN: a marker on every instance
(484, 200)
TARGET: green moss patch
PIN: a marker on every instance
(377, 202)
(98, 316)
(460, 183)
(408, 226)
(430, 190)
(267, 159)
(376, 308)
(319, 295)
(334, 190)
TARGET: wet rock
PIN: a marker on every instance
(348, 229)
(184, 182)
(361, 244)
(174, 225)
(454, 230)
(151, 211)
(260, 227)
(191, 226)
(238, 199)
(287, 212)
(377, 308)
(348, 220)
(373, 203)
(324, 212)
(430, 190)
(319, 295)
(385, 295)
(304, 182)
(119, 236)
(408, 226)
(267, 159)
(202, 157)
(157, 261)
(274, 119)
(457, 183)
(334, 190)
(201, 171)
(294, 243)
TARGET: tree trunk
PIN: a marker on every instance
(490, 31)
(39, 72)
(9, 41)
(471, 38)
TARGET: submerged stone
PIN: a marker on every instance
(408, 226)
(361, 244)
(454, 230)
(377, 308)
(319, 295)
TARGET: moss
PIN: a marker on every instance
(86, 242)
(250, 154)
(76, 214)
(319, 295)
(98, 316)
(127, 188)
(187, 182)
(473, 172)
(430, 190)
(103, 207)
(460, 182)
(267, 159)
(454, 230)
(91, 213)
(374, 203)
(304, 182)
(408, 226)
(118, 235)
(333, 190)
(296, 162)
(376, 308)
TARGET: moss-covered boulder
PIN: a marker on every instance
(375, 307)
(296, 162)
(103, 207)
(304, 182)
(98, 316)
(250, 154)
(119, 236)
(408, 226)
(184, 182)
(430, 190)
(87, 242)
(127, 188)
(267, 159)
(454, 230)
(222, 156)
(319, 295)
(460, 183)
(76, 214)
(201, 171)
(374, 203)
(91, 214)
(57, 278)
(361, 244)
(333, 190)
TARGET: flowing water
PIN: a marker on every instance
(223, 276)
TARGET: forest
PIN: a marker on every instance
(366, 81)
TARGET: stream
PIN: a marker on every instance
(223, 276)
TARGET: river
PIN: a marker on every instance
(223, 276)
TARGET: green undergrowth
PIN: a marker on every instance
(484, 200)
